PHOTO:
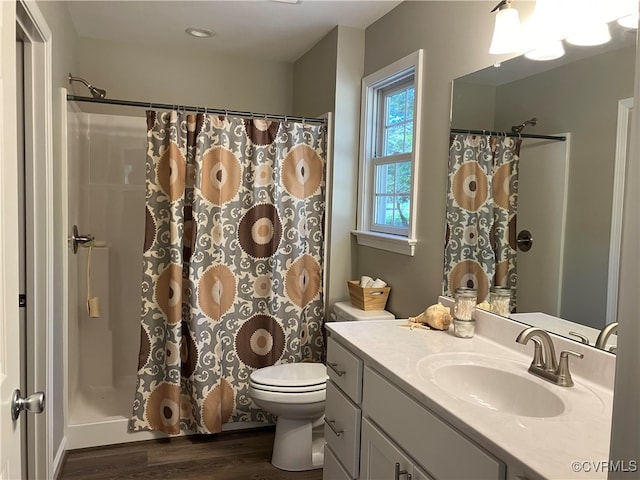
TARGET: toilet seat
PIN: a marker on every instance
(301, 389)
(290, 377)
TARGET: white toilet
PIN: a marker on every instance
(295, 393)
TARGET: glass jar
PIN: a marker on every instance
(464, 328)
(466, 299)
(500, 300)
(464, 323)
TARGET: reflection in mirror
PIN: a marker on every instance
(569, 192)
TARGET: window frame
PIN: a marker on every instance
(371, 122)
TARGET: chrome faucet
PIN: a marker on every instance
(601, 341)
(544, 362)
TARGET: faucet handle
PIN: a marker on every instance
(564, 375)
(538, 360)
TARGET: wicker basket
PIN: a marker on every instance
(367, 298)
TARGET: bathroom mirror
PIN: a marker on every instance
(568, 190)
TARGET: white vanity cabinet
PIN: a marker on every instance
(342, 414)
(372, 425)
(381, 458)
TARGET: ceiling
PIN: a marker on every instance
(263, 29)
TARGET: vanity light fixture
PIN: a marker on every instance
(507, 33)
(597, 34)
(549, 50)
(630, 21)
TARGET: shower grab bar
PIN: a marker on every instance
(77, 239)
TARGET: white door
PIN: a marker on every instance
(542, 212)
(10, 348)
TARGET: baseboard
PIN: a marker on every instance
(59, 459)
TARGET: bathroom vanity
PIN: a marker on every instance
(420, 404)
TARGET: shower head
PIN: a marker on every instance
(518, 128)
(95, 92)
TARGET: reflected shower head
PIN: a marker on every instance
(95, 92)
(519, 128)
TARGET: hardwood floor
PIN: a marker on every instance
(226, 456)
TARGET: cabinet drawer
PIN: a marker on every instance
(442, 451)
(332, 470)
(342, 428)
(345, 369)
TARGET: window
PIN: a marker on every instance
(388, 156)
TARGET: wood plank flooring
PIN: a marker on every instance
(225, 456)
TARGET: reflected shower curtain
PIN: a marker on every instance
(480, 243)
(232, 264)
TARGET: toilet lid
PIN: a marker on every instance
(291, 375)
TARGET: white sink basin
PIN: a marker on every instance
(504, 387)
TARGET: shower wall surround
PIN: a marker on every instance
(106, 199)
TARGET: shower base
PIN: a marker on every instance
(100, 416)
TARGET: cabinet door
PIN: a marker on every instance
(332, 470)
(379, 456)
(419, 474)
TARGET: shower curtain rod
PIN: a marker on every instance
(561, 138)
(187, 108)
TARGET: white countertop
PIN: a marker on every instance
(544, 447)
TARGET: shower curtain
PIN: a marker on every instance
(232, 264)
(480, 243)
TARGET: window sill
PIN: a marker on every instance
(382, 241)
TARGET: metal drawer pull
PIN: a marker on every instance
(403, 472)
(331, 425)
(334, 367)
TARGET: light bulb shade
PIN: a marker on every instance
(592, 35)
(546, 51)
(507, 33)
(630, 21)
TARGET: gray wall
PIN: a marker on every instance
(328, 79)
(136, 72)
(473, 106)
(581, 98)
(625, 434)
(64, 60)
(455, 37)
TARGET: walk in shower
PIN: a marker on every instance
(107, 183)
(105, 155)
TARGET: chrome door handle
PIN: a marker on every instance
(330, 424)
(33, 403)
(399, 472)
(334, 367)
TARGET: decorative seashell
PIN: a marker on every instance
(422, 318)
(436, 316)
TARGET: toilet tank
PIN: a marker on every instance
(345, 312)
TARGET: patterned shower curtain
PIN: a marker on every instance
(232, 264)
(480, 244)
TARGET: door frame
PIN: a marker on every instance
(39, 245)
(625, 107)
